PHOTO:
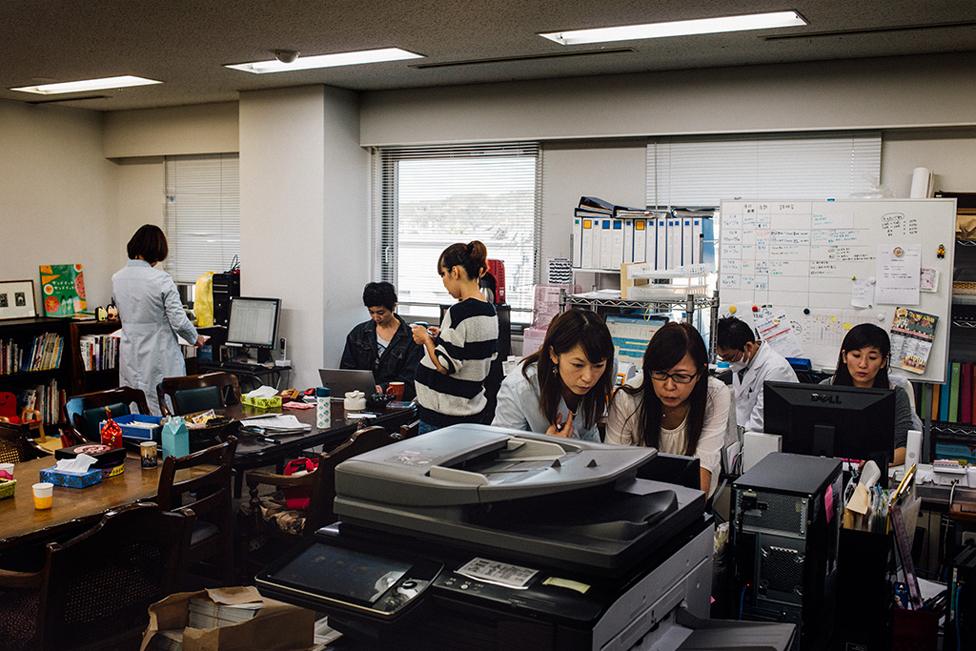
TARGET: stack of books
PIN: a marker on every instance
(99, 352)
(44, 354)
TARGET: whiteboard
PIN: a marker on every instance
(795, 264)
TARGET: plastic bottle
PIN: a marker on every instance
(323, 408)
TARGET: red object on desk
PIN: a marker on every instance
(111, 431)
(8, 407)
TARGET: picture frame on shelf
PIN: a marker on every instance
(17, 299)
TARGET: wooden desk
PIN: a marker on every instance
(20, 522)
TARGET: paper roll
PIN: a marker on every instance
(921, 183)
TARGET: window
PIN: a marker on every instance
(703, 171)
(427, 198)
(203, 223)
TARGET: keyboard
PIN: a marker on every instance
(245, 366)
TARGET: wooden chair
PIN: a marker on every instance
(208, 493)
(16, 445)
(191, 393)
(84, 412)
(265, 515)
(94, 590)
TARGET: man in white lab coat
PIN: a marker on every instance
(753, 362)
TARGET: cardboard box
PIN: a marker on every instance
(276, 627)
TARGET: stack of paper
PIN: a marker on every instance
(204, 613)
(277, 423)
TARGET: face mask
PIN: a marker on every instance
(738, 366)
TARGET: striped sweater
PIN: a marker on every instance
(466, 346)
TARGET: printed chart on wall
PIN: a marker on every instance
(803, 273)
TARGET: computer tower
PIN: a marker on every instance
(225, 287)
(786, 514)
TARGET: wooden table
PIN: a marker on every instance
(21, 523)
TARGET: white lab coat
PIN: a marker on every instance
(766, 365)
(152, 318)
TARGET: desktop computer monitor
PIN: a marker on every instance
(831, 421)
(254, 323)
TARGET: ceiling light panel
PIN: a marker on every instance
(83, 85)
(770, 20)
(327, 61)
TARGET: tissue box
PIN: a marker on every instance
(142, 433)
(71, 480)
(7, 487)
(273, 402)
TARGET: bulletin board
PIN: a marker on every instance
(804, 272)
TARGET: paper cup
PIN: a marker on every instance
(9, 467)
(148, 454)
(43, 495)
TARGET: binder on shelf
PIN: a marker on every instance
(628, 255)
(944, 402)
(640, 240)
(954, 394)
(577, 243)
(688, 241)
(924, 406)
(674, 243)
(606, 241)
(936, 401)
(661, 241)
(966, 394)
(616, 243)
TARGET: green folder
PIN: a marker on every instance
(954, 394)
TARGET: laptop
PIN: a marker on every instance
(341, 381)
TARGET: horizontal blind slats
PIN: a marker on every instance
(202, 214)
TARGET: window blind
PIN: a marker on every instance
(704, 171)
(426, 198)
(203, 223)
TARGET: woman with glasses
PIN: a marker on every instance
(674, 405)
(562, 390)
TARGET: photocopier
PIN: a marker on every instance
(477, 537)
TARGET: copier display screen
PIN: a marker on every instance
(343, 574)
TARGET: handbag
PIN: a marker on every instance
(299, 498)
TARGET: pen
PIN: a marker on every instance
(268, 439)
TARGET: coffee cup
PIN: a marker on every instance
(396, 390)
(43, 495)
(148, 454)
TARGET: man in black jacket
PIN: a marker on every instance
(384, 344)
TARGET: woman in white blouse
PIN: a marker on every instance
(674, 405)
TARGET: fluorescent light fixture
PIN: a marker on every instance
(125, 81)
(327, 61)
(678, 28)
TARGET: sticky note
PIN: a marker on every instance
(581, 588)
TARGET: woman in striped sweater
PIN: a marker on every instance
(451, 376)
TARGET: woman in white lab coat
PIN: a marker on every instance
(152, 317)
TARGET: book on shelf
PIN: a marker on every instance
(99, 352)
(953, 401)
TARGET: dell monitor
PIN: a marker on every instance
(254, 324)
(832, 421)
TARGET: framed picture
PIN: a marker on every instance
(17, 299)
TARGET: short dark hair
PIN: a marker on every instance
(863, 335)
(149, 243)
(733, 333)
(381, 293)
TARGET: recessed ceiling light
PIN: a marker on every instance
(678, 28)
(125, 81)
(326, 61)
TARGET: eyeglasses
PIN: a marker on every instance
(678, 378)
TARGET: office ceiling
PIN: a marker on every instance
(185, 42)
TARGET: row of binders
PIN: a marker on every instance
(955, 400)
(44, 354)
(667, 238)
(99, 352)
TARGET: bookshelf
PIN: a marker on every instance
(36, 361)
(107, 377)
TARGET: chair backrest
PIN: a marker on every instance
(210, 487)
(84, 412)
(101, 583)
(14, 447)
(362, 440)
(191, 393)
(407, 430)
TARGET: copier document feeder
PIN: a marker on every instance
(478, 537)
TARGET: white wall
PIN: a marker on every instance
(911, 91)
(140, 198)
(282, 137)
(949, 153)
(57, 196)
(346, 253)
(198, 129)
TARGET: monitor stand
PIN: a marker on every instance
(823, 440)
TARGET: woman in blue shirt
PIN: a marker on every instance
(563, 389)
